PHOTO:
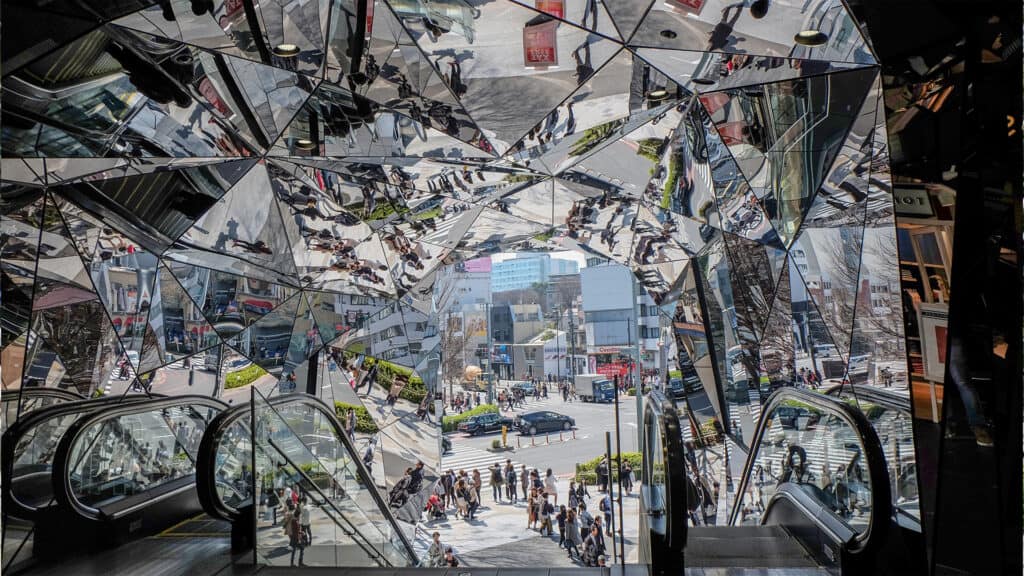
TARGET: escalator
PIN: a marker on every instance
(117, 473)
(294, 442)
(814, 495)
(18, 402)
(30, 443)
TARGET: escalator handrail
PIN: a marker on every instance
(874, 457)
(28, 422)
(824, 518)
(40, 391)
(882, 397)
(326, 503)
(671, 432)
(62, 489)
(206, 460)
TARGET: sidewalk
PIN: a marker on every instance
(498, 535)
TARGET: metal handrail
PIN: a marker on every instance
(881, 499)
(64, 491)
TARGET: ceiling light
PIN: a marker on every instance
(304, 144)
(659, 94)
(286, 50)
(810, 38)
(668, 34)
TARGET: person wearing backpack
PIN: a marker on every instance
(497, 479)
(511, 478)
(546, 510)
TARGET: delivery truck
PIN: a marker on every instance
(594, 388)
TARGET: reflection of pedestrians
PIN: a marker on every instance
(721, 36)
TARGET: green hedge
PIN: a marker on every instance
(588, 470)
(451, 423)
(243, 377)
(364, 422)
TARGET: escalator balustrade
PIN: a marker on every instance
(29, 447)
(814, 493)
(295, 444)
(125, 471)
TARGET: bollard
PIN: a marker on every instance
(573, 434)
(531, 441)
(560, 439)
(547, 438)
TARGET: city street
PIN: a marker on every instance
(547, 450)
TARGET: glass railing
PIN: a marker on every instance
(825, 447)
(22, 401)
(30, 445)
(301, 450)
(120, 459)
(890, 416)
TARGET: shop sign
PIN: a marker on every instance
(912, 201)
(554, 7)
(540, 46)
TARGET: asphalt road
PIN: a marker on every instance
(592, 421)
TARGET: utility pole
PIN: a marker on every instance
(635, 328)
(572, 346)
(490, 364)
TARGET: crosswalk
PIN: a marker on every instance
(468, 458)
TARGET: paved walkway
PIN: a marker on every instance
(498, 536)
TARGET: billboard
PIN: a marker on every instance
(478, 265)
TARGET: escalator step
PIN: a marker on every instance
(745, 547)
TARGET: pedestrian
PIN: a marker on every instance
(602, 474)
(574, 499)
(474, 500)
(573, 537)
(293, 529)
(585, 520)
(551, 486)
(606, 508)
(448, 482)
(304, 522)
(511, 479)
(477, 483)
(462, 493)
(531, 509)
(546, 511)
(436, 552)
(524, 478)
(449, 558)
(560, 518)
(497, 479)
(591, 547)
(350, 424)
(581, 490)
(627, 477)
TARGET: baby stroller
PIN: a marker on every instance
(435, 509)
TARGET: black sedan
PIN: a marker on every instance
(790, 416)
(484, 423)
(534, 422)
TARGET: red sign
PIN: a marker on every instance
(554, 7)
(615, 368)
(690, 6)
(209, 91)
(540, 46)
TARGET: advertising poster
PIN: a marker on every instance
(540, 46)
(933, 320)
(686, 6)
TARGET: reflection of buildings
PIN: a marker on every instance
(525, 270)
(610, 317)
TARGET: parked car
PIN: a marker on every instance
(790, 416)
(534, 422)
(484, 423)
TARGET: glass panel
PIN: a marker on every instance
(819, 452)
(307, 465)
(134, 453)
